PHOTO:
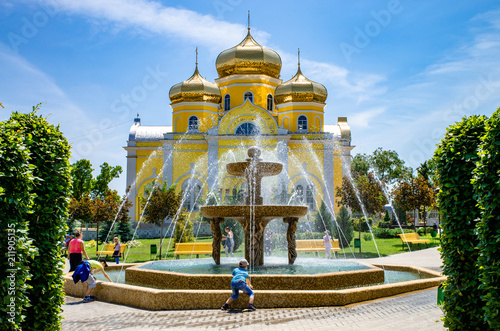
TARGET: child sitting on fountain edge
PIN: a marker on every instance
(241, 281)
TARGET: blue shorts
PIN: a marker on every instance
(240, 285)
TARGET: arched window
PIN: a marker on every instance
(249, 96)
(227, 102)
(193, 123)
(299, 194)
(192, 190)
(270, 102)
(302, 123)
(310, 197)
(247, 129)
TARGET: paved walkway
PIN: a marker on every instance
(413, 311)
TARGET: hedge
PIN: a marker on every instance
(456, 156)
(16, 201)
(487, 194)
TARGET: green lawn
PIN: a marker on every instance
(368, 250)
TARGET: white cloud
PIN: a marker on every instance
(365, 118)
(154, 17)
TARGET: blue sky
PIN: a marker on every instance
(401, 71)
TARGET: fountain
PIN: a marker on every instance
(254, 216)
(308, 283)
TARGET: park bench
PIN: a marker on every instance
(315, 245)
(193, 248)
(109, 249)
(413, 238)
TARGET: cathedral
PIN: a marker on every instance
(214, 123)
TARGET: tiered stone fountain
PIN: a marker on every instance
(254, 216)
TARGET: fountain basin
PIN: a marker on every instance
(264, 212)
(155, 299)
(151, 274)
(263, 169)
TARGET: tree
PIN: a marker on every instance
(105, 209)
(81, 178)
(323, 220)
(124, 231)
(79, 209)
(388, 166)
(183, 230)
(368, 191)
(108, 173)
(343, 229)
(160, 203)
(415, 193)
(360, 164)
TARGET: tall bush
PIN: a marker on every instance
(456, 156)
(487, 194)
(343, 229)
(183, 230)
(50, 153)
(16, 201)
(323, 220)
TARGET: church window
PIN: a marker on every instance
(302, 123)
(247, 129)
(192, 193)
(227, 102)
(310, 197)
(249, 96)
(193, 123)
(270, 102)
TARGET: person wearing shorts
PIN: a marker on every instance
(241, 282)
(91, 281)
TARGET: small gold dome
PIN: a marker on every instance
(195, 88)
(248, 57)
(300, 89)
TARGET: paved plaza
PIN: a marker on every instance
(413, 311)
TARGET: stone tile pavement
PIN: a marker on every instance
(411, 311)
(414, 311)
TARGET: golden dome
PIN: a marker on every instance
(300, 89)
(195, 88)
(248, 57)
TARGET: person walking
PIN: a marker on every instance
(75, 249)
(241, 281)
(327, 242)
(229, 245)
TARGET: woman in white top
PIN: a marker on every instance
(327, 242)
(229, 245)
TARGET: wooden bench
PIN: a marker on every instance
(315, 245)
(413, 238)
(193, 248)
(109, 249)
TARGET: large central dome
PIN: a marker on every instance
(248, 58)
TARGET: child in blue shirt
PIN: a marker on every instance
(241, 281)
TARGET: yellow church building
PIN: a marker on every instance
(214, 123)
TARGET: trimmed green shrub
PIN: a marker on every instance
(456, 158)
(183, 230)
(385, 233)
(50, 153)
(487, 194)
(308, 235)
(16, 201)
